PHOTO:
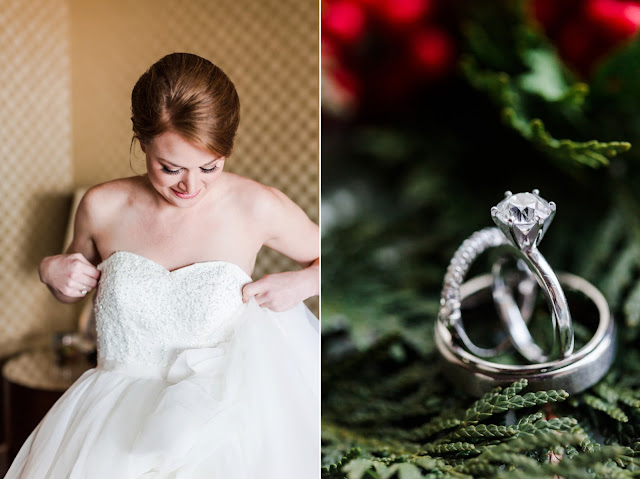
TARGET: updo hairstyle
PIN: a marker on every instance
(187, 94)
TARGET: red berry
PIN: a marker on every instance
(345, 21)
(619, 20)
(433, 51)
(404, 13)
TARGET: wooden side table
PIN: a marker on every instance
(33, 382)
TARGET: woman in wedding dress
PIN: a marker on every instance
(202, 372)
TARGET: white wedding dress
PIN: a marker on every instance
(191, 383)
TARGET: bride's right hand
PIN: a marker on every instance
(69, 276)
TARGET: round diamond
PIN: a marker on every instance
(525, 211)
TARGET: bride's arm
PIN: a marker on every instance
(68, 275)
(290, 231)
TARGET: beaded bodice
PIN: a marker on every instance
(147, 315)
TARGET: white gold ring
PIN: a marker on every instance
(522, 221)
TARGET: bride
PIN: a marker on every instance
(201, 372)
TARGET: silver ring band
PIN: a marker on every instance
(574, 373)
(514, 317)
(462, 260)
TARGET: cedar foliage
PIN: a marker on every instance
(402, 191)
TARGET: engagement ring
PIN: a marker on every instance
(522, 221)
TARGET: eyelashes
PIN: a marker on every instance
(166, 170)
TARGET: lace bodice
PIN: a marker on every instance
(147, 315)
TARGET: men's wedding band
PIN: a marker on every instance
(574, 373)
(522, 221)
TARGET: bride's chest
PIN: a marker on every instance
(176, 243)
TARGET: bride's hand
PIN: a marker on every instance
(69, 276)
(278, 291)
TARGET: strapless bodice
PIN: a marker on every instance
(147, 315)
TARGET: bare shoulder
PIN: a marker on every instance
(112, 195)
(255, 198)
(103, 202)
(280, 223)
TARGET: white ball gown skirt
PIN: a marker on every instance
(246, 407)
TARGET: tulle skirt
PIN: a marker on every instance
(248, 408)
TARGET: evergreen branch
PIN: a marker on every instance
(505, 402)
(334, 471)
(529, 466)
(610, 409)
(527, 442)
(578, 465)
(482, 432)
(591, 153)
(628, 397)
(606, 392)
(501, 88)
(479, 469)
(434, 427)
(359, 468)
(587, 444)
(492, 402)
(353, 438)
(554, 424)
(529, 419)
(613, 472)
(449, 448)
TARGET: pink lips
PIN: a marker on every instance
(185, 196)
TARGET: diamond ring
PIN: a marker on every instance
(522, 221)
(83, 291)
(575, 373)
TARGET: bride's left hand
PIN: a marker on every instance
(278, 291)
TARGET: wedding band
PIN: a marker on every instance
(513, 316)
(574, 373)
(522, 221)
(83, 292)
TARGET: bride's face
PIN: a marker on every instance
(180, 171)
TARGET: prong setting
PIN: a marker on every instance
(523, 218)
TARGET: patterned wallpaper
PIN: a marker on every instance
(35, 161)
(67, 68)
